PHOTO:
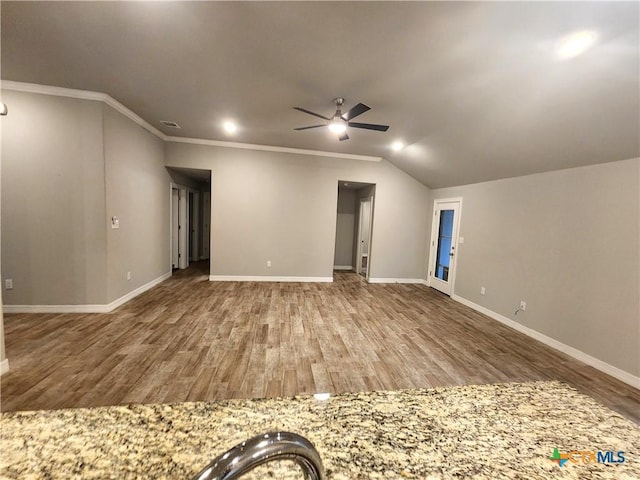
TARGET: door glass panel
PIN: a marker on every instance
(445, 234)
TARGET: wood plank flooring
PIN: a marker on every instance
(190, 339)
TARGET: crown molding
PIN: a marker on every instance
(103, 97)
(269, 148)
(83, 95)
(51, 90)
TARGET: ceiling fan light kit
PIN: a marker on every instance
(339, 122)
(338, 126)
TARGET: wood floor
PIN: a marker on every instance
(190, 339)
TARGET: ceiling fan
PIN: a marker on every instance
(339, 122)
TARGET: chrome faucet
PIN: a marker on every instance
(262, 449)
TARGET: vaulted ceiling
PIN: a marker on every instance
(476, 91)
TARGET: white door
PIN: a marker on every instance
(364, 236)
(175, 228)
(444, 244)
(194, 225)
(183, 227)
(206, 218)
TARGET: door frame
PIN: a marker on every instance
(183, 221)
(206, 226)
(194, 226)
(370, 199)
(173, 265)
(455, 241)
(184, 228)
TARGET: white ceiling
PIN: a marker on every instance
(474, 89)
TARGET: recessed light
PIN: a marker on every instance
(397, 146)
(230, 127)
(575, 44)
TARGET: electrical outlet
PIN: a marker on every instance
(128, 275)
(8, 284)
(268, 263)
(482, 291)
(523, 305)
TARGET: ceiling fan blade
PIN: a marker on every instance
(359, 109)
(343, 136)
(311, 113)
(307, 128)
(369, 126)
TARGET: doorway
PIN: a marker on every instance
(354, 227)
(444, 242)
(179, 226)
(190, 216)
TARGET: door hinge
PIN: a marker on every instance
(179, 227)
(179, 255)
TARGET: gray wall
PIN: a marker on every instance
(282, 207)
(53, 200)
(68, 166)
(345, 227)
(566, 242)
(137, 192)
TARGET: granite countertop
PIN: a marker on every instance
(481, 432)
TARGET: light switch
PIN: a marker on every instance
(460, 239)
(115, 222)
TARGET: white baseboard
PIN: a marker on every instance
(244, 278)
(134, 293)
(343, 267)
(615, 372)
(56, 308)
(420, 281)
(4, 366)
(85, 308)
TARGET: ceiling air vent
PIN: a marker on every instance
(170, 124)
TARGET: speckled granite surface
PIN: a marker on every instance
(480, 432)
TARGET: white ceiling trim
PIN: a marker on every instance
(269, 148)
(103, 97)
(83, 95)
